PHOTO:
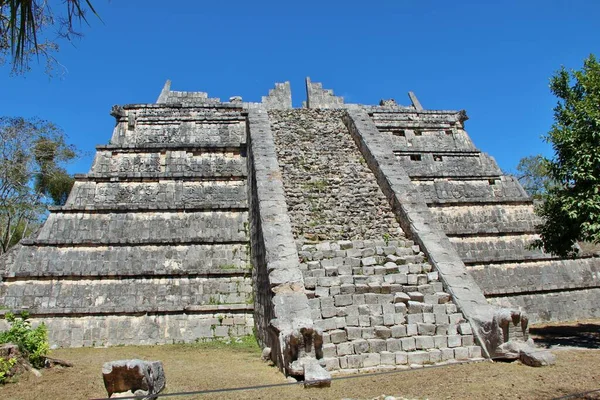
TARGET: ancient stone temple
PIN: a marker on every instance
(344, 236)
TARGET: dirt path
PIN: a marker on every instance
(201, 367)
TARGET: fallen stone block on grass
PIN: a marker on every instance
(315, 375)
(536, 357)
(142, 378)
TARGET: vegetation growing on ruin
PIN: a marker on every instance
(571, 206)
(33, 342)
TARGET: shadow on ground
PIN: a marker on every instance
(580, 335)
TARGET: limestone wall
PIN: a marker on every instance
(329, 189)
(162, 194)
(152, 245)
(123, 261)
(146, 328)
(134, 228)
(213, 164)
(488, 217)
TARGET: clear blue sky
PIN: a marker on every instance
(492, 58)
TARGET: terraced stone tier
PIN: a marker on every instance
(537, 276)
(110, 261)
(198, 162)
(486, 219)
(496, 190)
(159, 195)
(497, 248)
(419, 140)
(455, 165)
(380, 304)
(144, 228)
(147, 329)
(423, 121)
(185, 126)
(106, 296)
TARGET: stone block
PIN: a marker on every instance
(360, 346)
(393, 345)
(429, 318)
(330, 350)
(401, 357)
(331, 364)
(138, 376)
(371, 360)
(355, 361)
(461, 353)
(454, 341)
(465, 329)
(447, 354)
(408, 343)
(418, 357)
(353, 333)
(424, 342)
(377, 345)
(467, 340)
(388, 358)
(368, 333)
(440, 341)
(474, 351)
(398, 331)
(383, 332)
(414, 318)
(426, 329)
(343, 300)
(411, 329)
(338, 336)
(435, 355)
(343, 349)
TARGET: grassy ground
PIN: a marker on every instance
(214, 366)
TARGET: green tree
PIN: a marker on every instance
(571, 208)
(33, 28)
(534, 175)
(32, 175)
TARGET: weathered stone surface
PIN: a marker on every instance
(534, 357)
(315, 375)
(138, 376)
(154, 243)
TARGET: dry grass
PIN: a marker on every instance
(210, 366)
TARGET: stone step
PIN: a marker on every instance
(144, 228)
(120, 295)
(164, 194)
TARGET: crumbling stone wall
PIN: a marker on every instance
(375, 297)
(329, 189)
